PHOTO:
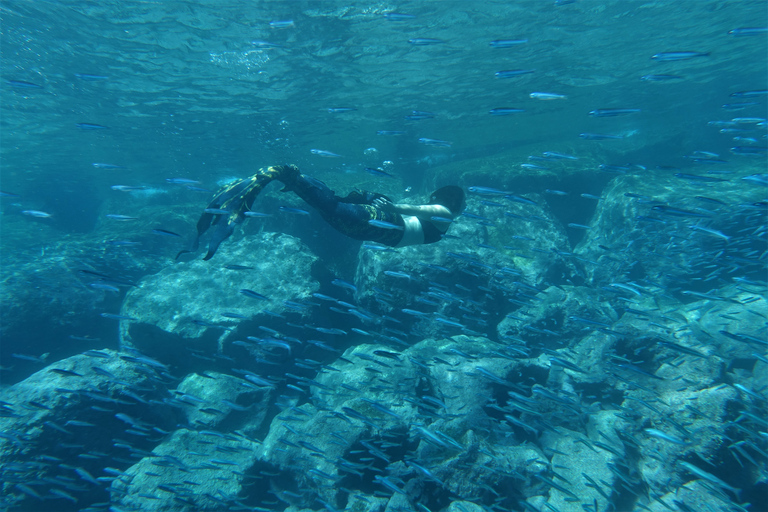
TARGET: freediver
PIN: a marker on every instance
(360, 215)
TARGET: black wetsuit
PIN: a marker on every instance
(349, 215)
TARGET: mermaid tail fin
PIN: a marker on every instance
(228, 207)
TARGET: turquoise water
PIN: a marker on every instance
(98, 96)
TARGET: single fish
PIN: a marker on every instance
(395, 273)
(398, 16)
(237, 267)
(666, 437)
(389, 132)
(674, 56)
(91, 78)
(163, 232)
(757, 179)
(435, 142)
(99, 165)
(385, 225)
(613, 112)
(547, 96)
(425, 41)
(749, 150)
(599, 136)
(709, 477)
(279, 24)
(91, 126)
(104, 286)
(127, 188)
(344, 284)
(519, 199)
(113, 316)
(253, 295)
(20, 84)
(748, 31)
(378, 172)
(115, 216)
(322, 152)
(710, 200)
(749, 94)
(264, 45)
(507, 43)
(511, 73)
(182, 181)
(505, 111)
(123, 243)
(486, 191)
(551, 155)
(340, 110)
(198, 189)
(36, 213)
(66, 373)
(297, 211)
(739, 106)
(711, 232)
(660, 78)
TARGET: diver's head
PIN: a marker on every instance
(452, 197)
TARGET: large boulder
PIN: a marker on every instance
(190, 470)
(669, 230)
(191, 309)
(98, 409)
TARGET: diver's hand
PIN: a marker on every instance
(384, 204)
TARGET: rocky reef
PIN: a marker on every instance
(501, 369)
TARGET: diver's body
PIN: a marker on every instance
(423, 224)
(359, 215)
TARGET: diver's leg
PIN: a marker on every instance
(362, 197)
(349, 217)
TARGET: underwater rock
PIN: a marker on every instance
(179, 311)
(686, 429)
(732, 327)
(463, 506)
(642, 227)
(307, 446)
(315, 443)
(362, 503)
(50, 302)
(692, 495)
(68, 410)
(558, 313)
(216, 398)
(197, 470)
(576, 460)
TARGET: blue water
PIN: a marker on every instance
(119, 93)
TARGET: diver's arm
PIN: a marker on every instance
(422, 211)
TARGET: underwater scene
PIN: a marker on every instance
(514, 258)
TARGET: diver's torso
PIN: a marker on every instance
(413, 233)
